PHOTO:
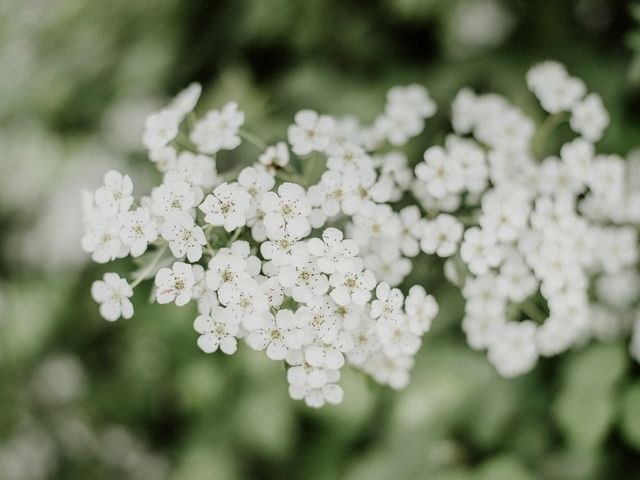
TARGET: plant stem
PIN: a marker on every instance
(253, 139)
(235, 236)
(150, 267)
(529, 308)
(542, 135)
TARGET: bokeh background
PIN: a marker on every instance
(82, 398)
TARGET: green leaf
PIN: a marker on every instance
(630, 415)
(584, 416)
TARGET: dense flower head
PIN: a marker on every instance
(310, 265)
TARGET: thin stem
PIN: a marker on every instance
(192, 118)
(529, 308)
(235, 236)
(290, 177)
(253, 139)
(150, 267)
(542, 136)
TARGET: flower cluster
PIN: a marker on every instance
(257, 253)
(303, 250)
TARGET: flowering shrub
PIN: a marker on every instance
(300, 251)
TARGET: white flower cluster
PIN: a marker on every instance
(545, 227)
(525, 236)
(246, 253)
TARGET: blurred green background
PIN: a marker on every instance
(81, 398)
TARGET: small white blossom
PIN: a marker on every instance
(160, 128)
(480, 250)
(304, 281)
(354, 285)
(218, 130)
(185, 101)
(115, 195)
(184, 236)
(226, 206)
(316, 386)
(176, 196)
(333, 252)
(138, 230)
(441, 175)
(175, 284)
(277, 335)
(102, 240)
(113, 294)
(165, 158)
(311, 132)
(286, 211)
(217, 331)
(441, 235)
(275, 156)
(589, 118)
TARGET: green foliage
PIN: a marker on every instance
(67, 70)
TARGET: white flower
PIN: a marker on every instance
(278, 335)
(374, 222)
(196, 170)
(115, 195)
(333, 253)
(216, 331)
(230, 267)
(328, 354)
(185, 101)
(275, 156)
(397, 338)
(226, 206)
(138, 230)
(411, 99)
(556, 90)
(464, 111)
(441, 235)
(348, 156)
(388, 303)
(589, 118)
(315, 385)
(320, 320)
(411, 231)
(480, 250)
(441, 175)
(392, 371)
(304, 280)
(113, 293)
(404, 114)
(160, 128)
(513, 348)
(481, 330)
(218, 130)
(175, 284)
(184, 236)
(286, 211)
(247, 303)
(386, 262)
(311, 132)
(284, 249)
(471, 158)
(102, 240)
(255, 182)
(365, 342)
(176, 196)
(578, 156)
(354, 285)
(505, 212)
(165, 158)
(421, 309)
